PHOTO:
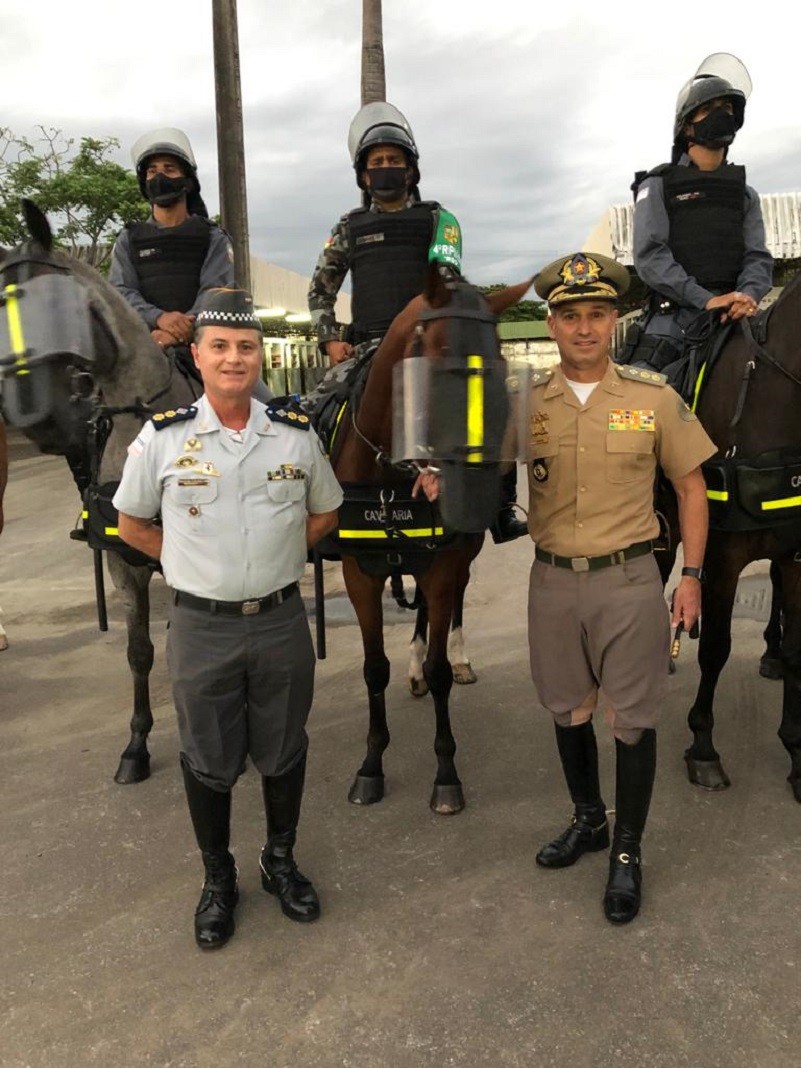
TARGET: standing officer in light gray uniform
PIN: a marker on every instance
(243, 493)
(699, 238)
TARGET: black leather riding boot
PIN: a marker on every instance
(589, 830)
(507, 525)
(636, 769)
(211, 817)
(279, 872)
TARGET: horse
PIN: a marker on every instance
(749, 407)
(361, 460)
(125, 372)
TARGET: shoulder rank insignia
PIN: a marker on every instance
(541, 375)
(287, 411)
(639, 374)
(174, 415)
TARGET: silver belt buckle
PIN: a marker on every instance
(580, 563)
(250, 608)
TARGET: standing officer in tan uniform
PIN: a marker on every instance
(597, 614)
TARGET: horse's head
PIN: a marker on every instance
(451, 403)
(52, 339)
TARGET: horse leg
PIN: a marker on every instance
(418, 687)
(365, 596)
(457, 654)
(770, 666)
(3, 635)
(722, 569)
(133, 583)
(447, 797)
(790, 728)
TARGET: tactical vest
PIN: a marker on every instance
(389, 256)
(706, 211)
(168, 261)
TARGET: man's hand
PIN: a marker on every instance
(733, 306)
(687, 603)
(428, 482)
(182, 327)
(338, 351)
(161, 337)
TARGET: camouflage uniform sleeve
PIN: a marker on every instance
(329, 274)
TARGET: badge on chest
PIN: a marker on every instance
(632, 419)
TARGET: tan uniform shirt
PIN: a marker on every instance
(591, 467)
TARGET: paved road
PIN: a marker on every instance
(441, 942)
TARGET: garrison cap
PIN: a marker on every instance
(581, 276)
(227, 307)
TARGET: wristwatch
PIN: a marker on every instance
(693, 572)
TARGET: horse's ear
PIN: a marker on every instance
(436, 291)
(38, 226)
(502, 299)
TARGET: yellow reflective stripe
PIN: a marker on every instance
(475, 410)
(336, 425)
(718, 495)
(15, 331)
(786, 502)
(697, 389)
(423, 532)
(111, 532)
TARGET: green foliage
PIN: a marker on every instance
(525, 311)
(87, 197)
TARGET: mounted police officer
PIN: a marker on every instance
(386, 244)
(699, 239)
(598, 622)
(164, 266)
(243, 492)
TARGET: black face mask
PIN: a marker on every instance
(716, 130)
(388, 183)
(162, 190)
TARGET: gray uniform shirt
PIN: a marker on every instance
(234, 515)
(654, 262)
(217, 271)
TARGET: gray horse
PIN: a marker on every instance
(125, 370)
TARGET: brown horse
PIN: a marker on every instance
(749, 407)
(361, 460)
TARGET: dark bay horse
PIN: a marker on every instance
(750, 408)
(442, 574)
(131, 374)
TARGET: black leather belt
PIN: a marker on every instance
(595, 563)
(236, 608)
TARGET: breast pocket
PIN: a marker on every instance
(195, 505)
(629, 455)
(287, 491)
(542, 467)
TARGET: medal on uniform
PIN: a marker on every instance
(539, 428)
(539, 470)
(185, 461)
(192, 445)
(208, 468)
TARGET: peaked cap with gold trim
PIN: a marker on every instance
(581, 276)
(227, 307)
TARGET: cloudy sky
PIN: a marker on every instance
(530, 118)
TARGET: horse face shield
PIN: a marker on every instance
(453, 410)
(45, 324)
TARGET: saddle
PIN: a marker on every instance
(342, 387)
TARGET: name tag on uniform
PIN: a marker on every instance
(193, 482)
(632, 419)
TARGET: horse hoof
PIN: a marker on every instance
(464, 674)
(447, 800)
(366, 790)
(417, 687)
(671, 667)
(708, 774)
(3, 642)
(132, 769)
(795, 786)
(770, 667)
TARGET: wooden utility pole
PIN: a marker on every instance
(230, 139)
(374, 83)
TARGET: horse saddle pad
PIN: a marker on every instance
(327, 405)
(100, 519)
(753, 494)
(370, 523)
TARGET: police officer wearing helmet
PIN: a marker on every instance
(243, 492)
(386, 244)
(597, 614)
(163, 266)
(699, 238)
